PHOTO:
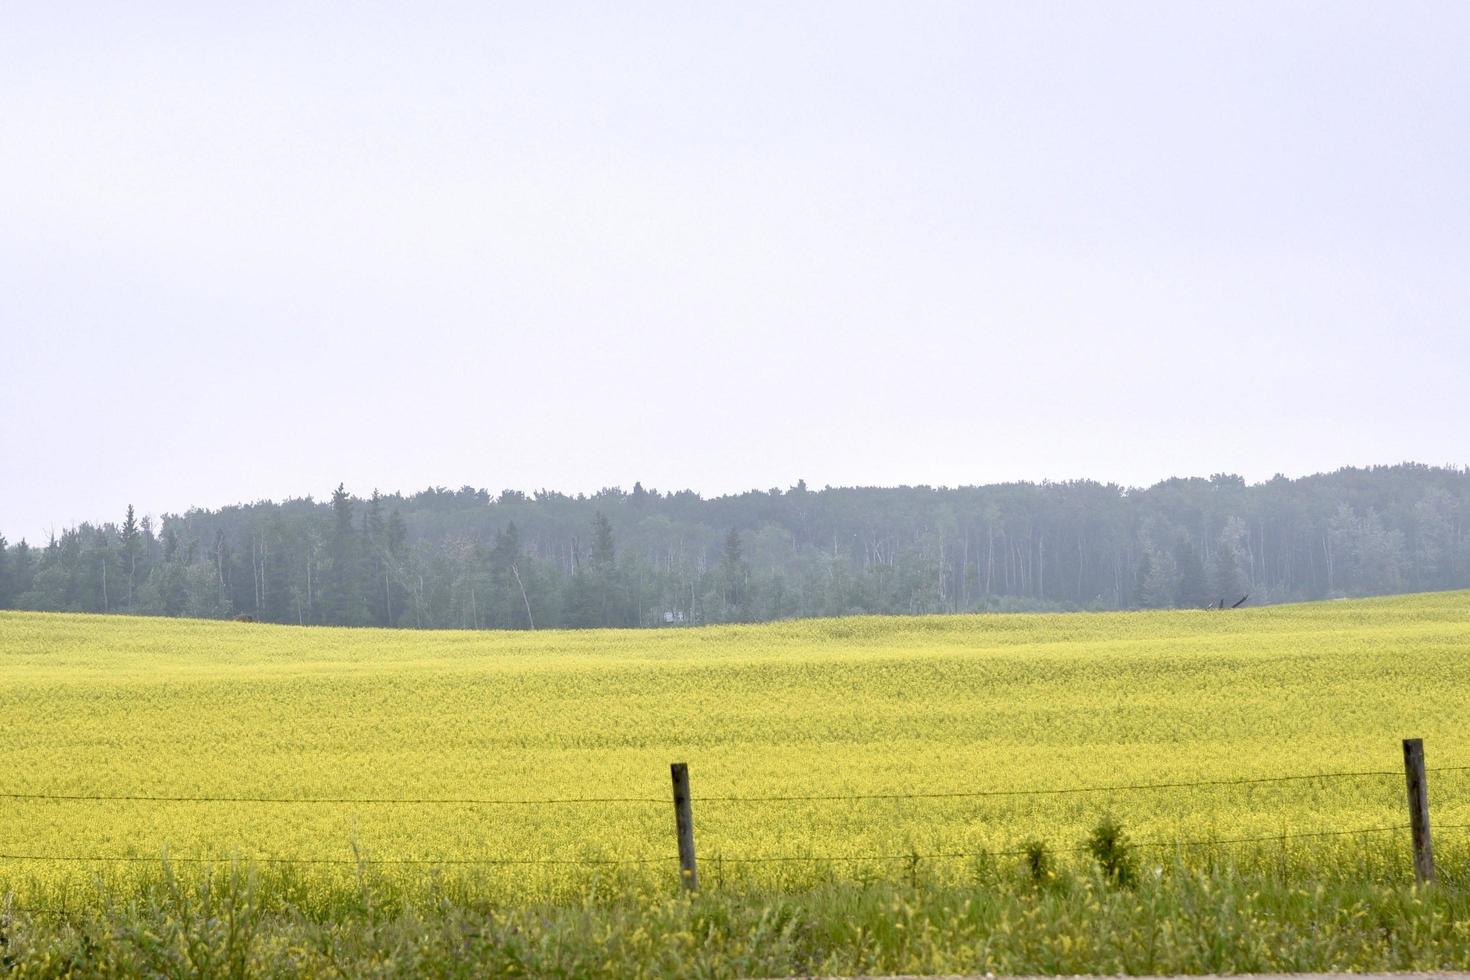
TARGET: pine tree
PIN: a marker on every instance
(397, 535)
(22, 571)
(130, 546)
(343, 601)
(605, 571)
(733, 574)
(603, 553)
(375, 530)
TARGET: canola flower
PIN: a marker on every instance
(909, 715)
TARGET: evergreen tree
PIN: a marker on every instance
(7, 587)
(131, 543)
(375, 531)
(376, 526)
(603, 554)
(733, 576)
(149, 541)
(603, 573)
(22, 571)
(821, 552)
(395, 545)
(585, 593)
(343, 602)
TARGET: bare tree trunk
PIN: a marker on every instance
(963, 598)
(1041, 565)
(1081, 563)
(516, 572)
(1327, 550)
(989, 559)
(257, 571)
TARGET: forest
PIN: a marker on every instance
(472, 559)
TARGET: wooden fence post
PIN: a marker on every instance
(1419, 809)
(684, 825)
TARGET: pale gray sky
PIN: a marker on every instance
(253, 249)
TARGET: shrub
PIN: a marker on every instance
(1109, 846)
(1039, 863)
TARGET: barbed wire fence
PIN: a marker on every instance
(1414, 772)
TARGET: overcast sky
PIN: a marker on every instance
(251, 250)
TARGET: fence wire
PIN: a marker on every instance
(1142, 845)
(330, 800)
(715, 857)
(609, 800)
(1063, 790)
(165, 859)
(647, 860)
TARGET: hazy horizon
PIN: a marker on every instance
(247, 253)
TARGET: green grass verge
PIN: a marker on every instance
(1074, 919)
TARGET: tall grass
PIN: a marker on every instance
(1080, 918)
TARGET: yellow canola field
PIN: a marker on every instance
(96, 706)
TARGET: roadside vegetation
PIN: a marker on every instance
(1080, 919)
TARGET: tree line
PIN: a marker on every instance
(471, 559)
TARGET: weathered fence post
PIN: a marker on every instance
(684, 825)
(1419, 809)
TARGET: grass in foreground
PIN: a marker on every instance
(1005, 920)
